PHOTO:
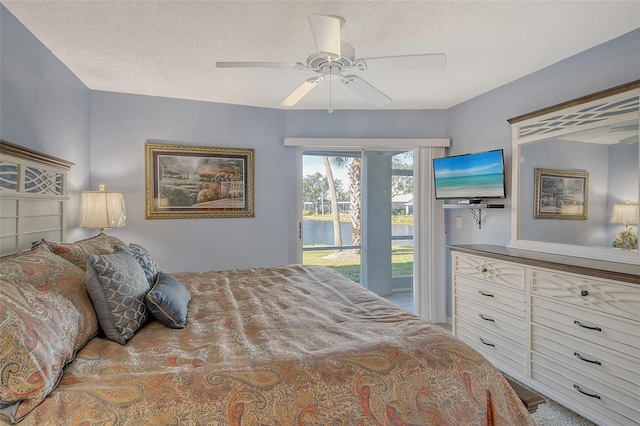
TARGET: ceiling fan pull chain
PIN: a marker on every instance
(330, 110)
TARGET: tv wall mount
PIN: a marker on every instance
(474, 205)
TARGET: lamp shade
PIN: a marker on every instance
(625, 214)
(102, 209)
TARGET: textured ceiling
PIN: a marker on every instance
(169, 48)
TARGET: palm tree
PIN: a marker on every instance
(353, 172)
(354, 193)
(354, 199)
(335, 212)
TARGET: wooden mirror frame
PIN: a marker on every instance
(613, 106)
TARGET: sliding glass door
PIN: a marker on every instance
(357, 218)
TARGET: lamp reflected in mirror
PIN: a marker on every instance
(625, 214)
(102, 209)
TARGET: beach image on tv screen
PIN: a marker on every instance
(470, 176)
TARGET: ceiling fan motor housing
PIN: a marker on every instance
(318, 61)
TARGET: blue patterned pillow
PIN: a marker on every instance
(167, 301)
(144, 259)
(117, 287)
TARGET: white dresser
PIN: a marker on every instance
(567, 327)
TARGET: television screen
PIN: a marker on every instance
(470, 176)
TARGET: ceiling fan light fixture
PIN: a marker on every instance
(330, 71)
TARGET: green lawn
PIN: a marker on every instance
(349, 266)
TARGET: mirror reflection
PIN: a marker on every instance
(610, 156)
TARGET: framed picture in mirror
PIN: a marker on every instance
(561, 194)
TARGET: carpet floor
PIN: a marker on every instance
(553, 414)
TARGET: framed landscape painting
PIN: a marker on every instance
(561, 194)
(186, 181)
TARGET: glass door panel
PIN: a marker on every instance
(372, 194)
(330, 212)
(402, 229)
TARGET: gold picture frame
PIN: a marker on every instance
(561, 194)
(189, 181)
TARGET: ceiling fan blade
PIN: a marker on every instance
(301, 91)
(365, 90)
(257, 65)
(326, 32)
(426, 62)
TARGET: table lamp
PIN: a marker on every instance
(102, 209)
(625, 214)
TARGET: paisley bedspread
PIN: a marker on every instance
(293, 345)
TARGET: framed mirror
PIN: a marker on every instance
(576, 177)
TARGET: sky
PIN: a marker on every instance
(312, 164)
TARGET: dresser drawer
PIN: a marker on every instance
(595, 361)
(616, 404)
(491, 296)
(484, 318)
(503, 273)
(492, 345)
(583, 324)
(611, 297)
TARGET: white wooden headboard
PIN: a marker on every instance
(33, 195)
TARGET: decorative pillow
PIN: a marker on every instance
(144, 259)
(117, 286)
(168, 300)
(42, 243)
(77, 252)
(46, 316)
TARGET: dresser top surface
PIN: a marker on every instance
(596, 268)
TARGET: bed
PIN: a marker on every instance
(287, 345)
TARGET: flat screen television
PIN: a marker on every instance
(472, 177)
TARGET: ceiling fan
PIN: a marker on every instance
(335, 58)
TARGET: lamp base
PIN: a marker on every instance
(626, 239)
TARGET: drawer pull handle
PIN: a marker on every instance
(584, 293)
(592, 395)
(485, 294)
(487, 343)
(483, 269)
(577, 355)
(579, 324)
(486, 318)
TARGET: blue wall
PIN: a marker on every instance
(46, 108)
(622, 157)
(120, 126)
(566, 155)
(43, 106)
(49, 110)
(481, 123)
(367, 124)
